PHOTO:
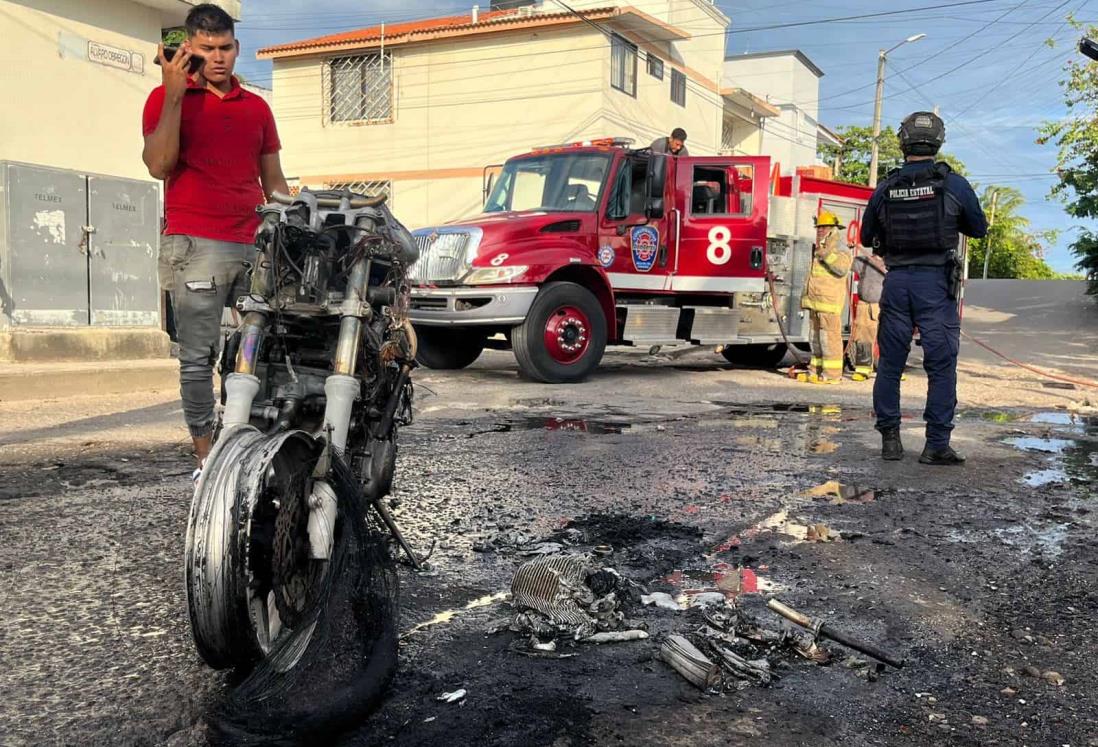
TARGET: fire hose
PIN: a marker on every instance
(781, 325)
(1027, 367)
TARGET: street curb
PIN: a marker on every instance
(31, 381)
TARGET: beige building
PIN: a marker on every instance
(423, 110)
(76, 78)
(790, 81)
(80, 218)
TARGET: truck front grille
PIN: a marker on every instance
(442, 257)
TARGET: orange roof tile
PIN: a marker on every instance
(432, 28)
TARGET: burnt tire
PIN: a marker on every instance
(755, 356)
(563, 337)
(448, 348)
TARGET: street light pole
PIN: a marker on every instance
(882, 55)
(987, 244)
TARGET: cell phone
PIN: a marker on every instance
(195, 63)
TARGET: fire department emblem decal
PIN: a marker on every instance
(645, 242)
(606, 256)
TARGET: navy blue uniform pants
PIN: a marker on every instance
(918, 297)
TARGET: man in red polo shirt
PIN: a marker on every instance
(216, 147)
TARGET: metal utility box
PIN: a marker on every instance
(76, 249)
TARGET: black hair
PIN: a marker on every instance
(678, 134)
(209, 18)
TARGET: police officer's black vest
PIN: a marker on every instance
(913, 212)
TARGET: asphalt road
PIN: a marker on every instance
(684, 468)
(1045, 323)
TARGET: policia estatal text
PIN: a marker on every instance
(914, 220)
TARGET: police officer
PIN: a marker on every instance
(914, 220)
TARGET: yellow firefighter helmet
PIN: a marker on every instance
(827, 218)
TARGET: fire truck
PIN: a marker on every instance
(591, 244)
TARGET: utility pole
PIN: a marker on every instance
(877, 118)
(987, 244)
(882, 55)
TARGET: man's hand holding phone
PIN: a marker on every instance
(176, 65)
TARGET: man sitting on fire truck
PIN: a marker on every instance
(673, 146)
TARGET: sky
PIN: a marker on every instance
(986, 65)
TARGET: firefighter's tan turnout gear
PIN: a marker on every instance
(863, 338)
(824, 297)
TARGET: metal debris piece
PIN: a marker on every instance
(688, 661)
(708, 599)
(536, 645)
(552, 586)
(820, 628)
(662, 600)
(813, 651)
(616, 636)
(453, 697)
(758, 670)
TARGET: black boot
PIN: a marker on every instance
(945, 455)
(892, 449)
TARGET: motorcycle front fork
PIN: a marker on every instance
(341, 389)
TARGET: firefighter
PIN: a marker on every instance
(915, 219)
(824, 297)
(863, 337)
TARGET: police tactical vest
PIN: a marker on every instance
(914, 214)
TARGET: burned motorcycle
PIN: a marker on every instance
(315, 383)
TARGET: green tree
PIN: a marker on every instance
(856, 149)
(1076, 136)
(1015, 251)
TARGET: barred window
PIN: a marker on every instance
(623, 65)
(359, 88)
(655, 67)
(678, 88)
(371, 188)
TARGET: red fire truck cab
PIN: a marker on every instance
(592, 244)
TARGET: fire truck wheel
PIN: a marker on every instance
(755, 356)
(563, 337)
(447, 348)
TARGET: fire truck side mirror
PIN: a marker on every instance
(655, 183)
(1089, 47)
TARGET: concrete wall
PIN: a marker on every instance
(61, 108)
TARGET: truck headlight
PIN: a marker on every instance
(490, 275)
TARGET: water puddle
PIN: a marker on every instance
(447, 615)
(1027, 538)
(1042, 477)
(1041, 445)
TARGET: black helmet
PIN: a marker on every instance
(921, 134)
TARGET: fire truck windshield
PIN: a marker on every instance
(571, 182)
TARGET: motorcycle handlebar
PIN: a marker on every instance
(333, 202)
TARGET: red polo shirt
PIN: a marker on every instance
(215, 187)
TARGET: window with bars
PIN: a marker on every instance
(623, 65)
(655, 67)
(359, 88)
(364, 187)
(678, 87)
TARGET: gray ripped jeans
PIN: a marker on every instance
(203, 276)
